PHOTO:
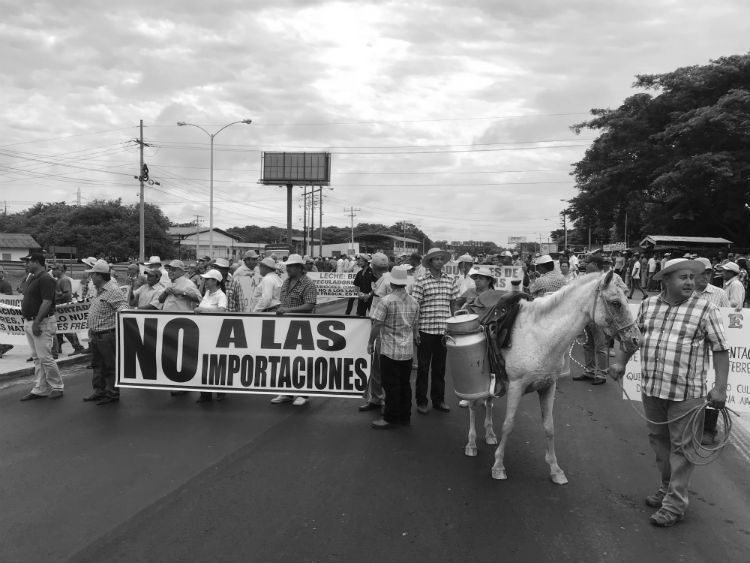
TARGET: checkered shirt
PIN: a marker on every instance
(303, 291)
(714, 295)
(547, 283)
(103, 308)
(674, 355)
(399, 312)
(434, 296)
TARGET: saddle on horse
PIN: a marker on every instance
(497, 311)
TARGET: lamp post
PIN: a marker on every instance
(565, 226)
(211, 193)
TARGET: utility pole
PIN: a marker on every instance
(142, 210)
(351, 212)
(312, 222)
(320, 222)
(198, 236)
(304, 225)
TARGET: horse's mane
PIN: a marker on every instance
(543, 305)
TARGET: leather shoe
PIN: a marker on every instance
(582, 377)
(381, 424)
(93, 397)
(423, 409)
(55, 394)
(32, 397)
(107, 400)
(599, 380)
(442, 407)
(368, 407)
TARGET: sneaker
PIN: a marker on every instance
(463, 403)
(654, 501)
(299, 401)
(663, 518)
(423, 409)
(278, 399)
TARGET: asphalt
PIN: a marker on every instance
(161, 478)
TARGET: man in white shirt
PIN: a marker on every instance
(733, 287)
(651, 272)
(267, 293)
(465, 283)
(147, 296)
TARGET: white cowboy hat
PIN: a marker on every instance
(269, 263)
(295, 259)
(251, 254)
(398, 276)
(694, 266)
(214, 275)
(433, 253)
(99, 267)
(506, 253)
(221, 263)
(90, 261)
(485, 271)
(152, 260)
(545, 259)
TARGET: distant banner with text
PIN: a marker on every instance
(332, 285)
(71, 317)
(289, 355)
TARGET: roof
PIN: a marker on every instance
(188, 231)
(666, 239)
(392, 237)
(17, 240)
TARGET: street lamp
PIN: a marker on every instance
(211, 196)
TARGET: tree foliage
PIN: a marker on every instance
(104, 229)
(674, 163)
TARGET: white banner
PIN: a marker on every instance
(237, 353)
(737, 329)
(332, 285)
(71, 317)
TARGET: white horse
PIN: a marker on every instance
(542, 334)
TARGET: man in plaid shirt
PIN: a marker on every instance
(102, 320)
(436, 293)
(678, 329)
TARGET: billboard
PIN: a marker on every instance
(296, 168)
(516, 240)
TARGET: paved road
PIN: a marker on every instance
(159, 478)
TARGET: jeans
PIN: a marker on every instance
(396, 375)
(374, 392)
(668, 442)
(596, 351)
(431, 353)
(363, 307)
(46, 373)
(72, 338)
(103, 360)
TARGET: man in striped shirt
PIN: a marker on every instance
(436, 293)
(678, 329)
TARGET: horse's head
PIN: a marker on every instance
(611, 312)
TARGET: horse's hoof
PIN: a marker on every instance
(491, 440)
(499, 474)
(471, 451)
(559, 478)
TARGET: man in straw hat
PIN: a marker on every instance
(548, 280)
(394, 324)
(436, 293)
(733, 287)
(267, 295)
(677, 328)
(101, 320)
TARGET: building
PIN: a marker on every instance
(700, 245)
(14, 246)
(192, 244)
(390, 245)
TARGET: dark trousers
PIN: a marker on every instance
(431, 359)
(72, 338)
(103, 360)
(363, 307)
(396, 375)
(350, 305)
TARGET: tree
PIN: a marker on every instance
(674, 163)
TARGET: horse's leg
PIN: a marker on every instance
(515, 392)
(546, 402)
(489, 431)
(471, 445)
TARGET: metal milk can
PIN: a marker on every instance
(466, 362)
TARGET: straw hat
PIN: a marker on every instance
(695, 266)
(99, 267)
(295, 259)
(434, 253)
(398, 276)
(268, 262)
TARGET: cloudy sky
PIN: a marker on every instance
(453, 115)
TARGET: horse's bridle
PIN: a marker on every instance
(619, 328)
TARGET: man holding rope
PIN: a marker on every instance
(677, 330)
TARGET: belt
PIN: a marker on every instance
(102, 332)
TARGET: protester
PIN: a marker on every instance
(567, 273)
(465, 282)
(267, 295)
(374, 394)
(363, 282)
(147, 295)
(154, 263)
(214, 301)
(548, 279)
(353, 268)
(134, 276)
(38, 310)
(5, 287)
(87, 286)
(417, 269)
(703, 288)
(298, 295)
(595, 348)
(636, 274)
(64, 294)
(732, 284)
(673, 378)
(394, 326)
(181, 294)
(245, 280)
(436, 293)
(102, 320)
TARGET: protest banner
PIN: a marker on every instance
(333, 285)
(737, 330)
(503, 275)
(71, 317)
(239, 353)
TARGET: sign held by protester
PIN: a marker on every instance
(71, 317)
(333, 285)
(737, 330)
(236, 353)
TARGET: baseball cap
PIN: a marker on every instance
(214, 275)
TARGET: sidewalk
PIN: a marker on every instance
(13, 364)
